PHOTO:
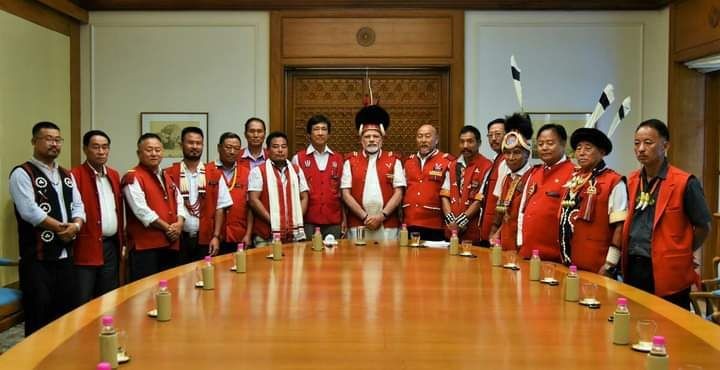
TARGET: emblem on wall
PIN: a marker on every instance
(365, 36)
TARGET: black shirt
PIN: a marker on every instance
(641, 228)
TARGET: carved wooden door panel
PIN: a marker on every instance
(412, 97)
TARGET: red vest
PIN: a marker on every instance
(421, 203)
(324, 198)
(161, 200)
(385, 166)
(509, 226)
(261, 227)
(591, 239)
(672, 237)
(208, 201)
(541, 224)
(489, 199)
(236, 216)
(473, 177)
(89, 243)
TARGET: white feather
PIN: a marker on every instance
(599, 109)
(516, 83)
(616, 121)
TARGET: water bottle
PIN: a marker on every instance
(108, 342)
(403, 236)
(240, 258)
(495, 253)
(317, 240)
(208, 273)
(163, 301)
(277, 247)
(454, 244)
(535, 264)
(658, 358)
(621, 322)
(572, 285)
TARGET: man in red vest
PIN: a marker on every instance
(235, 173)
(593, 207)
(668, 220)
(278, 195)
(373, 180)
(496, 132)
(538, 221)
(156, 211)
(205, 198)
(323, 170)
(99, 243)
(461, 192)
(425, 173)
(516, 150)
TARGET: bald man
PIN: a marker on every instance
(425, 172)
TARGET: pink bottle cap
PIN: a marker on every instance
(208, 259)
(163, 283)
(276, 235)
(107, 320)
(241, 246)
(103, 366)
(404, 226)
(454, 232)
(573, 269)
(658, 340)
(536, 253)
(622, 301)
(317, 229)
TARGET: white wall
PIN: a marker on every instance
(132, 62)
(566, 59)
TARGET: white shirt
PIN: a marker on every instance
(256, 183)
(106, 200)
(22, 194)
(321, 158)
(192, 223)
(135, 198)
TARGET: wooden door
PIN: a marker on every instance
(412, 97)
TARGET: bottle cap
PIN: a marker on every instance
(276, 236)
(162, 283)
(454, 232)
(573, 269)
(536, 253)
(241, 246)
(107, 320)
(317, 229)
(622, 301)
(208, 259)
(404, 226)
(103, 366)
(658, 340)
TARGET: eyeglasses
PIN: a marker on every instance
(56, 140)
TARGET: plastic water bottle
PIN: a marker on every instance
(240, 258)
(495, 253)
(535, 264)
(621, 322)
(163, 301)
(572, 285)
(317, 240)
(208, 273)
(403, 236)
(277, 247)
(658, 358)
(454, 244)
(108, 342)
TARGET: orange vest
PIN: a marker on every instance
(235, 216)
(385, 166)
(509, 226)
(460, 199)
(541, 224)
(591, 239)
(489, 199)
(421, 204)
(324, 198)
(89, 243)
(208, 201)
(261, 227)
(672, 238)
(161, 200)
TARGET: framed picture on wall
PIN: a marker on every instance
(570, 120)
(169, 127)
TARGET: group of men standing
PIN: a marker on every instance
(75, 225)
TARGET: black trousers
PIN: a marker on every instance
(150, 261)
(190, 250)
(640, 275)
(47, 291)
(427, 233)
(94, 281)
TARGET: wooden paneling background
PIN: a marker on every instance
(420, 40)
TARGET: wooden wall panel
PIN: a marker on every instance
(393, 37)
(696, 22)
(686, 117)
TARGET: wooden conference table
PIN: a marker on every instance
(379, 307)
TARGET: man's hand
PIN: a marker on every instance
(374, 222)
(67, 232)
(462, 221)
(174, 230)
(214, 246)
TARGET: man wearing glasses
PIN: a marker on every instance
(49, 213)
(496, 132)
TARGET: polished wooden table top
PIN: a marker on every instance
(379, 307)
